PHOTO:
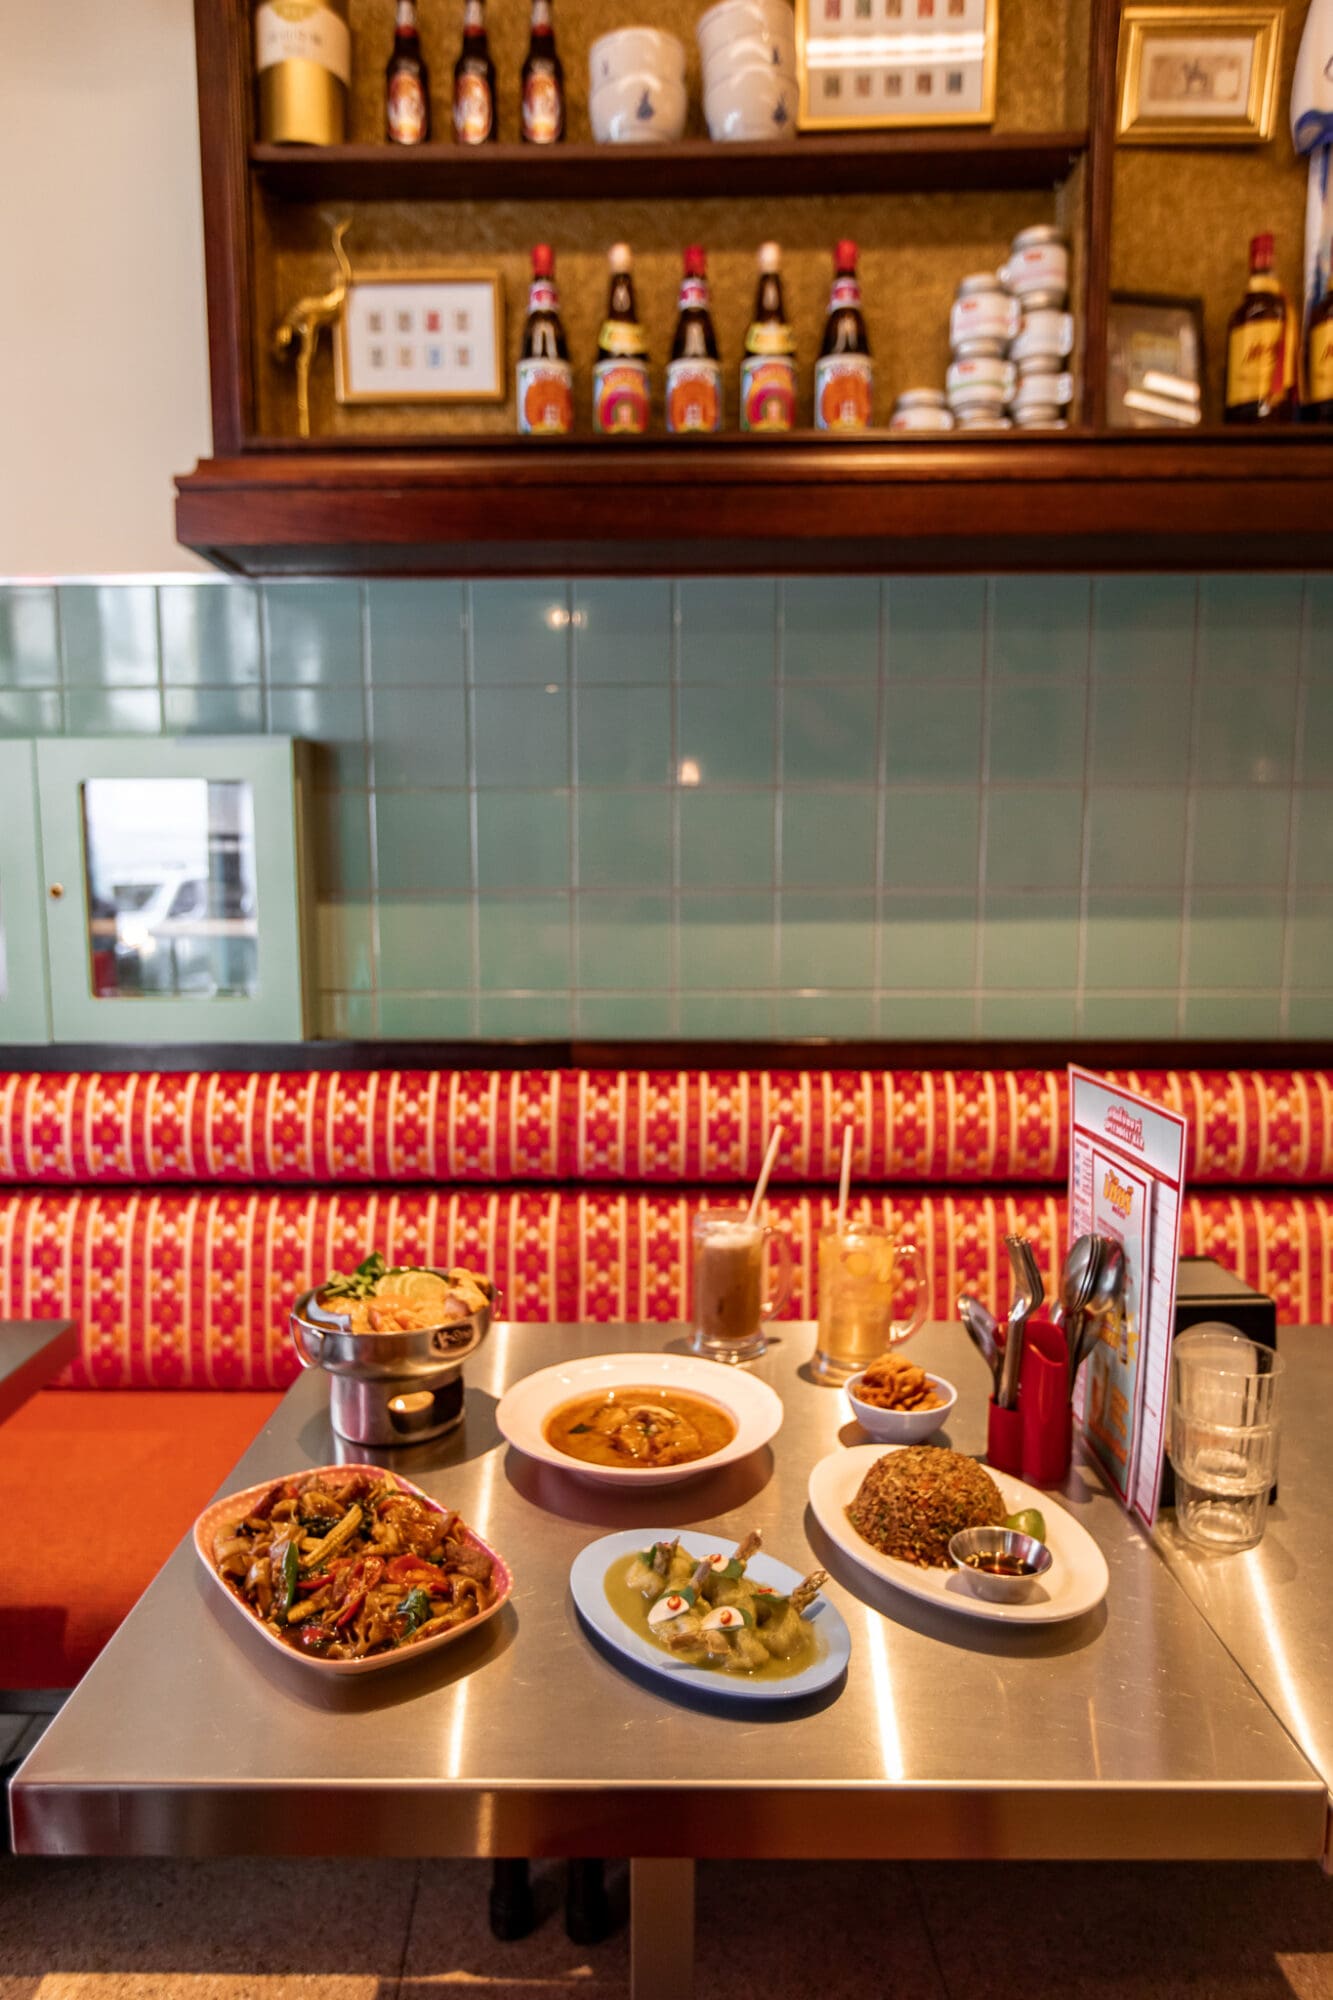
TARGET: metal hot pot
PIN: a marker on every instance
(388, 1388)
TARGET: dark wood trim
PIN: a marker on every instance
(1105, 28)
(222, 61)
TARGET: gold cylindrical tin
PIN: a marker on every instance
(303, 64)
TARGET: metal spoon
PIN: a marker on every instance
(1077, 1277)
(982, 1329)
(1023, 1305)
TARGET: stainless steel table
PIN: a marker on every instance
(32, 1351)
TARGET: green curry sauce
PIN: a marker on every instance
(630, 1605)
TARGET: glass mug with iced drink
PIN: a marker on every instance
(863, 1271)
(1225, 1408)
(730, 1310)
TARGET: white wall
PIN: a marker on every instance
(103, 341)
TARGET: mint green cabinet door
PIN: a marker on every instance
(24, 1005)
(173, 888)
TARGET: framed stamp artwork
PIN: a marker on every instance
(421, 337)
(884, 63)
(1154, 362)
(1198, 76)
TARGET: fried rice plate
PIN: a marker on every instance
(912, 1502)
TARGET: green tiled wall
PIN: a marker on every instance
(1021, 806)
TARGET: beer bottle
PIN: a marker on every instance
(545, 379)
(694, 375)
(1318, 408)
(1261, 350)
(542, 88)
(620, 398)
(768, 372)
(407, 79)
(474, 80)
(844, 377)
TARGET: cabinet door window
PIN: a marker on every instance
(24, 1013)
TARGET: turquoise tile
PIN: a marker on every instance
(826, 1016)
(1029, 942)
(1310, 1016)
(623, 735)
(113, 712)
(340, 840)
(726, 941)
(624, 840)
(416, 634)
(927, 942)
(526, 944)
(344, 946)
(346, 1017)
(931, 838)
(108, 635)
(426, 942)
(1314, 764)
(426, 1017)
(1140, 732)
(1129, 1016)
(1034, 839)
(826, 939)
(726, 1017)
(526, 1016)
(312, 634)
(1314, 839)
(1144, 625)
(1317, 649)
(830, 628)
(520, 632)
(625, 1017)
(1229, 1017)
(927, 1017)
(1250, 625)
(522, 736)
(726, 839)
(1136, 837)
(1037, 732)
(624, 941)
(1234, 939)
(30, 712)
(935, 627)
(726, 735)
(29, 645)
(1028, 1017)
(210, 634)
(423, 841)
(932, 734)
(1247, 733)
(830, 735)
(828, 838)
(728, 629)
(1240, 836)
(419, 736)
(1040, 627)
(1132, 941)
(622, 630)
(1312, 942)
(212, 711)
(523, 840)
(333, 719)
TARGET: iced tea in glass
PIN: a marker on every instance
(871, 1296)
(730, 1309)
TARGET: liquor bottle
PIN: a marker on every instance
(620, 398)
(1318, 407)
(694, 374)
(303, 66)
(844, 376)
(474, 80)
(542, 88)
(768, 372)
(545, 379)
(1261, 348)
(407, 82)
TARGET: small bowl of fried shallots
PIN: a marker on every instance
(895, 1402)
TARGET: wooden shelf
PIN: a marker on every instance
(856, 163)
(732, 505)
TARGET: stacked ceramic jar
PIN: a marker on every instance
(748, 49)
(980, 381)
(1036, 278)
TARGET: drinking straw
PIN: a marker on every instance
(845, 1179)
(761, 1185)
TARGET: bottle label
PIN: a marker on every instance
(473, 110)
(1320, 386)
(545, 398)
(542, 121)
(844, 388)
(302, 31)
(622, 336)
(846, 292)
(693, 295)
(407, 109)
(542, 296)
(1255, 363)
(769, 336)
(620, 400)
(694, 396)
(768, 392)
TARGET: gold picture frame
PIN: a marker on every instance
(421, 336)
(866, 65)
(1198, 76)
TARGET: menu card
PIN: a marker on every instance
(1126, 1180)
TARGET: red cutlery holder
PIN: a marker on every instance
(1043, 1405)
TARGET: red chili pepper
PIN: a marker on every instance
(310, 1584)
(349, 1611)
(401, 1567)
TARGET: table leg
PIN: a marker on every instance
(661, 1930)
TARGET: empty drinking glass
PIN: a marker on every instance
(1225, 1398)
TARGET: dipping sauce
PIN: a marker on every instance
(1001, 1565)
(644, 1427)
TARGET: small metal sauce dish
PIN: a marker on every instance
(1000, 1542)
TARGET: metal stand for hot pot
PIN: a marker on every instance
(388, 1388)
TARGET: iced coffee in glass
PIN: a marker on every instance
(730, 1309)
(871, 1296)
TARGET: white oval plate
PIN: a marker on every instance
(1077, 1581)
(753, 1407)
(587, 1582)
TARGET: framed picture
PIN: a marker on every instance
(1198, 76)
(1154, 362)
(869, 63)
(421, 337)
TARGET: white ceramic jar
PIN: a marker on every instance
(1039, 399)
(1037, 271)
(984, 318)
(1042, 341)
(983, 420)
(921, 410)
(978, 384)
(731, 19)
(635, 52)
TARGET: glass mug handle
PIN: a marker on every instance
(904, 1330)
(772, 1307)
